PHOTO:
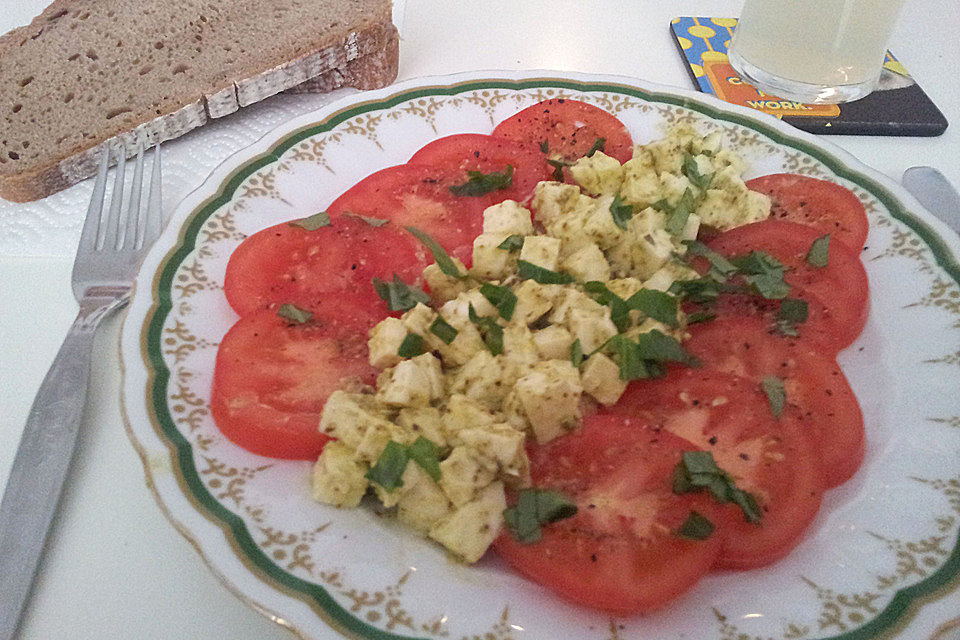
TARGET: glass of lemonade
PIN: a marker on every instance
(813, 51)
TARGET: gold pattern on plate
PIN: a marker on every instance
(186, 406)
(291, 549)
(952, 421)
(944, 294)
(179, 341)
(223, 226)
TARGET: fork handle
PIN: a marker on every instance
(42, 463)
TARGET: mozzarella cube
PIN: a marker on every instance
(592, 329)
(411, 383)
(384, 343)
(670, 272)
(519, 351)
(443, 287)
(601, 379)
(534, 300)
(726, 209)
(599, 225)
(489, 261)
(462, 476)
(422, 421)
(374, 441)
(598, 174)
(472, 528)
(542, 251)
(551, 200)
(674, 186)
(422, 502)
(339, 479)
(550, 398)
(462, 413)
(691, 228)
(501, 446)
(625, 287)
(641, 184)
(553, 342)
(418, 320)
(573, 299)
(646, 248)
(460, 307)
(586, 264)
(466, 343)
(507, 218)
(348, 416)
(481, 379)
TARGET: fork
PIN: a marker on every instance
(112, 244)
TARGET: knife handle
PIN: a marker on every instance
(41, 465)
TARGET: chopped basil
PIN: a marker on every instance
(294, 314)
(776, 394)
(597, 145)
(769, 286)
(720, 265)
(479, 183)
(700, 316)
(658, 305)
(558, 166)
(619, 309)
(530, 271)
(621, 212)
(512, 243)
(627, 355)
(698, 471)
(701, 290)
(695, 527)
(502, 298)
(399, 295)
(659, 347)
(759, 263)
(677, 218)
(388, 470)
(692, 170)
(576, 353)
(535, 508)
(426, 454)
(443, 330)
(412, 346)
(793, 311)
(544, 147)
(314, 222)
(443, 260)
(492, 332)
(373, 222)
(819, 254)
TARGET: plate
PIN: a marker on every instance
(883, 549)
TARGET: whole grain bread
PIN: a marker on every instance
(87, 73)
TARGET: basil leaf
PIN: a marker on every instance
(621, 212)
(294, 314)
(658, 305)
(576, 353)
(768, 285)
(776, 394)
(412, 346)
(502, 298)
(544, 147)
(558, 166)
(627, 355)
(426, 454)
(443, 330)
(479, 183)
(530, 271)
(677, 218)
(658, 346)
(388, 470)
(759, 263)
(314, 222)
(697, 471)
(792, 312)
(692, 170)
(619, 309)
(700, 316)
(373, 222)
(720, 264)
(597, 145)
(512, 243)
(443, 260)
(491, 332)
(398, 295)
(748, 505)
(819, 254)
(701, 290)
(535, 508)
(695, 527)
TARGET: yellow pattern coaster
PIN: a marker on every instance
(899, 107)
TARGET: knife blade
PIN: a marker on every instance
(935, 193)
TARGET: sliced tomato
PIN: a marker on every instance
(770, 458)
(286, 264)
(826, 206)
(619, 553)
(815, 385)
(486, 153)
(567, 130)
(841, 285)
(272, 378)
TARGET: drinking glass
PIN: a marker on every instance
(813, 51)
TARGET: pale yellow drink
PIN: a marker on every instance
(838, 45)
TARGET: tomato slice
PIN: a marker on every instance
(486, 153)
(769, 457)
(272, 378)
(619, 553)
(815, 385)
(286, 264)
(841, 286)
(826, 206)
(567, 129)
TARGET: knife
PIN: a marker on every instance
(935, 193)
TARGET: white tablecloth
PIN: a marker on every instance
(114, 567)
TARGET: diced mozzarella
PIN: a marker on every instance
(385, 340)
(339, 479)
(411, 383)
(489, 261)
(587, 263)
(550, 398)
(542, 251)
(472, 528)
(507, 218)
(601, 379)
(598, 174)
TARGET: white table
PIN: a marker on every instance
(115, 568)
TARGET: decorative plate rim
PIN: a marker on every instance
(228, 176)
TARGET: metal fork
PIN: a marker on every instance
(112, 245)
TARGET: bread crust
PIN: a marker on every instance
(364, 59)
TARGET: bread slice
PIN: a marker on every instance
(87, 73)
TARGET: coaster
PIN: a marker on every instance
(899, 107)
